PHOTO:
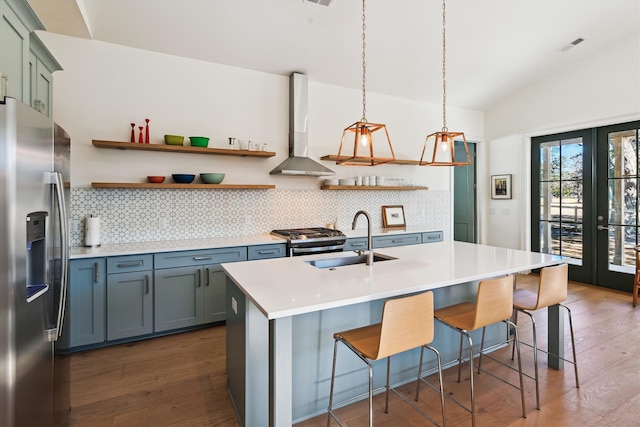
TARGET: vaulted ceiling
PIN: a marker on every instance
(494, 47)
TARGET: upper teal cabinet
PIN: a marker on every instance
(41, 68)
(24, 59)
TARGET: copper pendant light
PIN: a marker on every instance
(439, 146)
(363, 131)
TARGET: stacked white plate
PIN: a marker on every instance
(331, 181)
(348, 181)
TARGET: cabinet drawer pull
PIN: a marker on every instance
(146, 283)
(206, 272)
(201, 258)
(129, 264)
(96, 274)
(199, 278)
(358, 244)
(269, 252)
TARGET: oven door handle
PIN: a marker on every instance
(316, 249)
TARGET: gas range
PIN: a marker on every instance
(305, 241)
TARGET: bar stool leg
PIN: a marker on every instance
(481, 348)
(471, 384)
(573, 345)
(517, 338)
(333, 378)
(386, 404)
(460, 358)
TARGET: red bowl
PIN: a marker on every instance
(155, 179)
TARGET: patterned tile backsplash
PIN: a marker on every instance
(142, 215)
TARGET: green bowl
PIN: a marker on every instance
(212, 178)
(174, 139)
(199, 141)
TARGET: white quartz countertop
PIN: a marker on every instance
(216, 242)
(290, 286)
(172, 245)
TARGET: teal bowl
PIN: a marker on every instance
(199, 141)
(212, 178)
(183, 178)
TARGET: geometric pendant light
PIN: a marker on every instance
(363, 153)
(439, 146)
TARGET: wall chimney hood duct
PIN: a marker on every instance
(298, 162)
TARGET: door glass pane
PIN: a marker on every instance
(550, 201)
(623, 154)
(572, 240)
(622, 198)
(561, 187)
(549, 160)
(550, 237)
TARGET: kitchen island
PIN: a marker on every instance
(282, 314)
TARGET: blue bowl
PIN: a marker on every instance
(183, 178)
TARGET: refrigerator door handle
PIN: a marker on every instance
(56, 180)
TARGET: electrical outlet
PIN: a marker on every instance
(423, 213)
(162, 223)
(247, 220)
(234, 305)
(75, 226)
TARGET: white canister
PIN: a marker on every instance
(380, 180)
(92, 231)
(366, 181)
(358, 180)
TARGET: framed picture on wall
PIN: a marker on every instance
(393, 216)
(500, 186)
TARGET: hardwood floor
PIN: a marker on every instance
(180, 380)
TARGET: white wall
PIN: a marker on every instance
(105, 87)
(603, 89)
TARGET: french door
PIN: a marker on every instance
(585, 201)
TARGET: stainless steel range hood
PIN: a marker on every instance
(298, 162)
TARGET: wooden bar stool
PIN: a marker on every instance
(552, 289)
(636, 279)
(407, 323)
(493, 304)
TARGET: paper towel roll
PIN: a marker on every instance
(92, 231)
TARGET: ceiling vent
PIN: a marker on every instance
(574, 43)
(325, 3)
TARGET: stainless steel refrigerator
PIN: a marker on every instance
(34, 379)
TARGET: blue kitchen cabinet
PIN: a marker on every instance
(356, 244)
(24, 58)
(190, 287)
(432, 236)
(87, 301)
(397, 240)
(41, 67)
(129, 296)
(14, 51)
(272, 250)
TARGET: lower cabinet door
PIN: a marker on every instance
(129, 304)
(178, 297)
(86, 320)
(214, 294)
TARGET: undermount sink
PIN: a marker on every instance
(348, 260)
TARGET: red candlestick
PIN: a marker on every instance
(133, 135)
(147, 132)
(140, 138)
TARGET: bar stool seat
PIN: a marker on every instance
(636, 279)
(493, 304)
(407, 323)
(552, 289)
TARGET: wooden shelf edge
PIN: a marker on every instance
(370, 187)
(179, 149)
(333, 158)
(182, 186)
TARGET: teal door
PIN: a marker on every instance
(464, 196)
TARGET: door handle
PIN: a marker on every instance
(206, 275)
(602, 227)
(199, 278)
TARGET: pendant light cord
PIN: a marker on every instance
(364, 65)
(444, 68)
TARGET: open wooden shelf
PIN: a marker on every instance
(333, 158)
(183, 186)
(372, 187)
(179, 149)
